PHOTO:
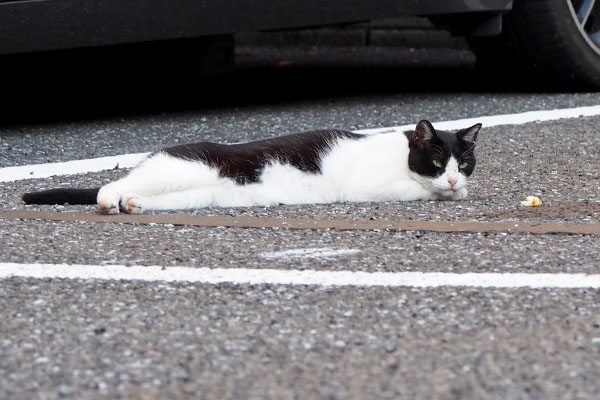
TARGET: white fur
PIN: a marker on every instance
(374, 168)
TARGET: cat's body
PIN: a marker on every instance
(324, 166)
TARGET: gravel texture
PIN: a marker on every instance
(101, 339)
(88, 243)
(116, 339)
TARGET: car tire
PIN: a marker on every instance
(551, 42)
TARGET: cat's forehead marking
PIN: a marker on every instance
(452, 143)
(447, 137)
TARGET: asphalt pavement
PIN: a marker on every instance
(65, 338)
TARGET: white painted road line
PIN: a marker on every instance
(502, 119)
(297, 277)
(10, 174)
(325, 252)
(35, 171)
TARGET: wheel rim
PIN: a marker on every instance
(586, 15)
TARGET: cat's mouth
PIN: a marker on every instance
(449, 191)
(448, 188)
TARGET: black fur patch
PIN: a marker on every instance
(62, 196)
(245, 162)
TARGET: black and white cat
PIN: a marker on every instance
(324, 166)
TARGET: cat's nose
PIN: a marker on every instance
(452, 182)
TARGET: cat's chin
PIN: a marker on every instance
(447, 193)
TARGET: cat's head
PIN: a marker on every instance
(442, 161)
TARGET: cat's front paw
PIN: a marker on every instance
(132, 203)
(460, 194)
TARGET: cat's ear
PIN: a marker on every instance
(469, 134)
(424, 131)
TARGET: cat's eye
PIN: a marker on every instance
(463, 165)
(437, 163)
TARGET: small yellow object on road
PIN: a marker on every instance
(532, 201)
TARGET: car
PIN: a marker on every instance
(554, 41)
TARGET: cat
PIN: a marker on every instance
(323, 166)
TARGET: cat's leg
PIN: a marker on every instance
(227, 195)
(156, 175)
(134, 203)
(412, 190)
(406, 190)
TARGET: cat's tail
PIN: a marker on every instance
(62, 196)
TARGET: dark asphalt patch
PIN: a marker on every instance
(307, 223)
